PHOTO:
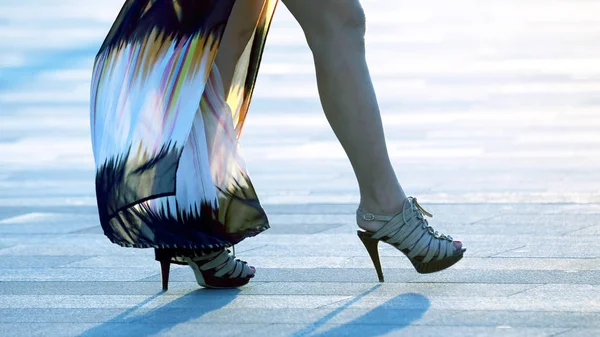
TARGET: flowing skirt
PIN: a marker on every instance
(165, 141)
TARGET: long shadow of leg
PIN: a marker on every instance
(137, 321)
(393, 315)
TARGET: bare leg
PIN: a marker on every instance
(240, 26)
(239, 30)
(335, 31)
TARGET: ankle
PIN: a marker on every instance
(383, 205)
(387, 206)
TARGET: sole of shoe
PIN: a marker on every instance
(437, 265)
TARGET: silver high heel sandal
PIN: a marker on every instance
(215, 270)
(409, 232)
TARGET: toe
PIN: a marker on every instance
(457, 245)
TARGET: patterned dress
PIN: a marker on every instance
(169, 172)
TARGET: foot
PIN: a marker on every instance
(373, 226)
(220, 270)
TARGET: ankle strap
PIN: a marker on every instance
(372, 217)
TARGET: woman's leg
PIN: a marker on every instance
(240, 27)
(334, 30)
(239, 30)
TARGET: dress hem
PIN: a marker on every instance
(207, 248)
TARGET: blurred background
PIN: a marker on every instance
(492, 116)
(483, 101)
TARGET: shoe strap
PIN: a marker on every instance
(408, 230)
(419, 207)
(222, 265)
(372, 217)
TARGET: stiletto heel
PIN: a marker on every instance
(409, 232)
(371, 246)
(213, 270)
(165, 267)
(164, 256)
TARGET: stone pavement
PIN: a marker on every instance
(491, 113)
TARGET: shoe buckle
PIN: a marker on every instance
(369, 217)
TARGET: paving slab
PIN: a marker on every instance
(120, 329)
(74, 274)
(46, 223)
(15, 261)
(391, 330)
(391, 316)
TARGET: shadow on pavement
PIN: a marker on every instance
(136, 322)
(402, 310)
